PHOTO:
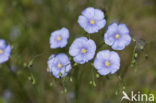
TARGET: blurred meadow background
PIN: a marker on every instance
(26, 25)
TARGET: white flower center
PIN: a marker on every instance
(83, 51)
(59, 65)
(1, 51)
(117, 36)
(107, 63)
(92, 22)
(58, 38)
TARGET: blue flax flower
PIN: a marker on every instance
(82, 50)
(59, 38)
(5, 51)
(59, 65)
(117, 36)
(107, 62)
(92, 20)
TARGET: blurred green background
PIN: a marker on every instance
(26, 25)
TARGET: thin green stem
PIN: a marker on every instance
(23, 92)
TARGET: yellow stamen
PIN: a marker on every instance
(58, 38)
(117, 36)
(59, 65)
(83, 51)
(1, 51)
(92, 22)
(107, 63)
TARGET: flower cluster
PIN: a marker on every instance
(83, 50)
(59, 64)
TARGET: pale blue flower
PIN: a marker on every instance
(59, 38)
(107, 62)
(59, 65)
(5, 51)
(117, 36)
(92, 20)
(82, 50)
(7, 94)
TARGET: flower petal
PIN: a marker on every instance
(88, 12)
(98, 14)
(65, 33)
(92, 28)
(123, 28)
(79, 59)
(98, 64)
(118, 45)
(126, 39)
(83, 21)
(103, 54)
(109, 39)
(103, 71)
(101, 23)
